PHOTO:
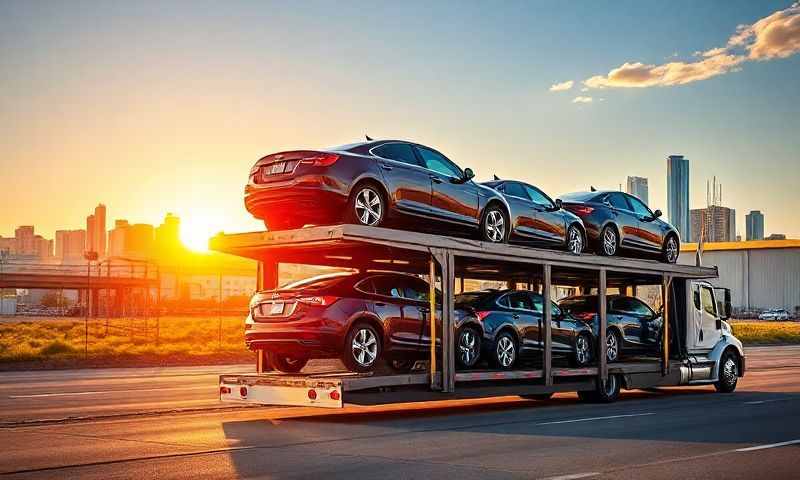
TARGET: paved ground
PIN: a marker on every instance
(671, 433)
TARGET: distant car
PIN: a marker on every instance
(361, 318)
(375, 183)
(777, 314)
(511, 328)
(539, 220)
(633, 327)
(618, 221)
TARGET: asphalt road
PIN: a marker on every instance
(669, 433)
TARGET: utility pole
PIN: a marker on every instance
(89, 256)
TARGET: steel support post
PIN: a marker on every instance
(667, 318)
(448, 325)
(435, 383)
(602, 346)
(266, 279)
(548, 324)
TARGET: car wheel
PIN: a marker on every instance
(728, 373)
(286, 363)
(468, 347)
(366, 206)
(494, 226)
(362, 348)
(583, 350)
(575, 240)
(609, 241)
(613, 346)
(670, 250)
(505, 352)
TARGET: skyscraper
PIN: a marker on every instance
(637, 186)
(720, 224)
(754, 224)
(678, 194)
(96, 231)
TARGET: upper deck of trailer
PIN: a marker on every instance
(355, 246)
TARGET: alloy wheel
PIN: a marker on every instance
(671, 250)
(612, 347)
(575, 241)
(582, 352)
(505, 352)
(467, 347)
(609, 242)
(364, 347)
(495, 226)
(368, 206)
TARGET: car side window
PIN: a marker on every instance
(365, 286)
(631, 306)
(639, 208)
(387, 287)
(520, 301)
(417, 291)
(515, 190)
(538, 197)
(617, 200)
(401, 152)
(708, 301)
(439, 163)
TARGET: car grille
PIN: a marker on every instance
(268, 172)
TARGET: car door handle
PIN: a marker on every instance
(380, 304)
(515, 316)
(436, 179)
(386, 167)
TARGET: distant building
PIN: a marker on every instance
(678, 194)
(776, 236)
(8, 245)
(139, 241)
(637, 186)
(24, 241)
(70, 244)
(96, 231)
(720, 224)
(116, 238)
(168, 235)
(754, 224)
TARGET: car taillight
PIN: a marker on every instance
(585, 316)
(321, 160)
(580, 209)
(320, 300)
(482, 315)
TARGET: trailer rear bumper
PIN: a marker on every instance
(275, 390)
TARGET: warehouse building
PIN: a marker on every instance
(761, 274)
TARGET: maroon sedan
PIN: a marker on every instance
(374, 183)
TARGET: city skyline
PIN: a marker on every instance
(164, 124)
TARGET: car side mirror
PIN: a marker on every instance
(559, 204)
(657, 214)
(468, 174)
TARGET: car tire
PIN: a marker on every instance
(362, 348)
(505, 352)
(468, 346)
(582, 356)
(670, 250)
(728, 373)
(286, 363)
(576, 240)
(494, 225)
(609, 241)
(366, 206)
(613, 346)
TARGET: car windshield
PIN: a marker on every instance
(316, 283)
(579, 305)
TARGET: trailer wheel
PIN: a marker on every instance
(362, 348)
(287, 364)
(606, 392)
(728, 373)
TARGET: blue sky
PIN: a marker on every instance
(154, 108)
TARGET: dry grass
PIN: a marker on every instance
(125, 341)
(755, 332)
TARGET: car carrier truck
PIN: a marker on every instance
(697, 345)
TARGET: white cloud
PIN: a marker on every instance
(774, 36)
(582, 100)
(561, 87)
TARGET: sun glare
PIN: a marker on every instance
(195, 235)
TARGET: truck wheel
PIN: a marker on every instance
(606, 392)
(287, 364)
(362, 348)
(728, 373)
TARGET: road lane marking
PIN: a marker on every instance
(103, 392)
(589, 419)
(771, 445)
(573, 476)
(770, 400)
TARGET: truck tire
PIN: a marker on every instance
(286, 364)
(728, 373)
(608, 392)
